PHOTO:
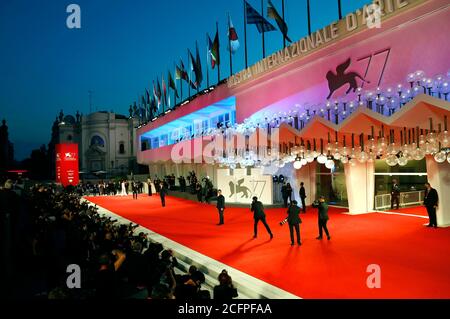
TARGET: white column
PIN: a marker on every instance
(360, 182)
(439, 178)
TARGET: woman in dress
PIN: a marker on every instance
(124, 191)
(149, 185)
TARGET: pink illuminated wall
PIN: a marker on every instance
(414, 40)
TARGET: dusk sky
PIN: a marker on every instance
(121, 48)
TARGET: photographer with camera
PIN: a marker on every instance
(259, 215)
(294, 221)
(322, 207)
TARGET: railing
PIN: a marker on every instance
(406, 199)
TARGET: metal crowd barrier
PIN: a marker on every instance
(406, 199)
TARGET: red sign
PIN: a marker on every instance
(67, 164)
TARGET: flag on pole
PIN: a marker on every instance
(147, 94)
(273, 13)
(153, 105)
(172, 84)
(198, 69)
(158, 93)
(253, 17)
(164, 91)
(180, 72)
(209, 45)
(193, 67)
(233, 38)
(215, 51)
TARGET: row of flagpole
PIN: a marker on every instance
(158, 103)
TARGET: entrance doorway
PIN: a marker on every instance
(331, 184)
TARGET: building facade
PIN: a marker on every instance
(6, 148)
(345, 110)
(106, 141)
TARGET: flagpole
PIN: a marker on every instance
(163, 102)
(196, 50)
(174, 95)
(208, 57)
(218, 53)
(263, 37)
(190, 73)
(229, 45)
(308, 9)
(340, 9)
(245, 33)
(181, 87)
(284, 37)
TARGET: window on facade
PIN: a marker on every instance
(121, 148)
(97, 141)
(69, 137)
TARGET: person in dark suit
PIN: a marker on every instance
(220, 206)
(294, 221)
(431, 202)
(259, 215)
(302, 194)
(285, 195)
(135, 188)
(395, 194)
(162, 193)
(199, 191)
(322, 207)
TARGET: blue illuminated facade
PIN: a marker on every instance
(197, 124)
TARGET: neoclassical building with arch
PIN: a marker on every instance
(106, 141)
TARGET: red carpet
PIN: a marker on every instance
(421, 211)
(414, 259)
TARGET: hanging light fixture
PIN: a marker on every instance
(362, 156)
(309, 156)
(441, 155)
(391, 159)
(344, 153)
(298, 163)
(329, 163)
(321, 159)
(444, 136)
(402, 160)
(419, 153)
(336, 153)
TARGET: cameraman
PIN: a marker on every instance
(294, 221)
(322, 206)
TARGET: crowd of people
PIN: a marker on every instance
(50, 229)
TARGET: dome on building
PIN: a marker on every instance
(69, 119)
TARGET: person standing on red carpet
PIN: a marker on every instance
(163, 193)
(431, 202)
(294, 221)
(220, 206)
(322, 207)
(302, 194)
(395, 194)
(259, 215)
